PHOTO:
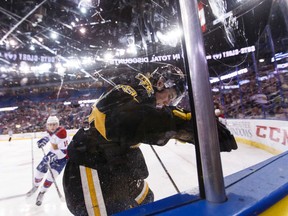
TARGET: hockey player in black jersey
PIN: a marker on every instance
(106, 170)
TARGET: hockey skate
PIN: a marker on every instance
(32, 191)
(39, 198)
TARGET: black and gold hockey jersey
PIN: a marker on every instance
(106, 171)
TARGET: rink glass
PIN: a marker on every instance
(246, 53)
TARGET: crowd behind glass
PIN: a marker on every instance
(261, 96)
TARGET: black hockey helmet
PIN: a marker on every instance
(173, 78)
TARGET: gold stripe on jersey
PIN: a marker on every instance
(139, 199)
(135, 146)
(92, 192)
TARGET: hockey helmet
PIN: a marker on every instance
(172, 76)
(52, 120)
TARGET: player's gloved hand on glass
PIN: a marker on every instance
(42, 142)
(50, 157)
(181, 113)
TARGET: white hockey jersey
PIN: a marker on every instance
(61, 139)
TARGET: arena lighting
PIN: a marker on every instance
(120, 52)
(72, 63)
(53, 35)
(131, 49)
(215, 90)
(170, 38)
(87, 60)
(284, 65)
(262, 78)
(214, 79)
(7, 109)
(85, 4)
(34, 69)
(36, 40)
(82, 102)
(82, 30)
(71, 75)
(242, 82)
(24, 67)
(261, 60)
(3, 69)
(279, 56)
(87, 101)
(33, 40)
(233, 74)
(60, 69)
(73, 24)
(230, 87)
(83, 10)
(45, 67)
(12, 42)
(67, 103)
(108, 56)
(228, 76)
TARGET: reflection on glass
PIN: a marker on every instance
(248, 76)
(114, 72)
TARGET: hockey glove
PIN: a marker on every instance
(183, 114)
(42, 142)
(50, 157)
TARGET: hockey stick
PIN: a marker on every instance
(32, 155)
(54, 181)
(165, 169)
(12, 197)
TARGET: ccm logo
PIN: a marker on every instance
(273, 133)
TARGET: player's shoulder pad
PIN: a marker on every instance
(61, 133)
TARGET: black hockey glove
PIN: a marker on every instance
(184, 129)
(226, 139)
(42, 142)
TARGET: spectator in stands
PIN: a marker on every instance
(280, 113)
(256, 112)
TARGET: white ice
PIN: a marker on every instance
(18, 159)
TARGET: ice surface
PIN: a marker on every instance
(16, 165)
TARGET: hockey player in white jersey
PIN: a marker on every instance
(56, 158)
